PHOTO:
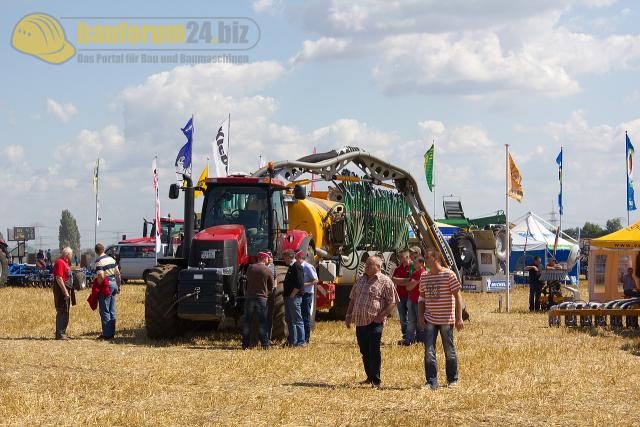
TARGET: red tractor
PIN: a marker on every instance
(241, 216)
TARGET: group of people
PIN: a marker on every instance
(439, 310)
(106, 283)
(299, 292)
(537, 286)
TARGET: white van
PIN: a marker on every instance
(134, 259)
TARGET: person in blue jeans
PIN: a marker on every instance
(414, 332)
(293, 288)
(106, 268)
(260, 282)
(310, 280)
(440, 308)
(401, 277)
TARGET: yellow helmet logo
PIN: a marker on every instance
(42, 36)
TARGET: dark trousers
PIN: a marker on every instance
(307, 304)
(451, 358)
(534, 297)
(369, 338)
(631, 293)
(62, 311)
(252, 304)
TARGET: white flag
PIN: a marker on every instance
(220, 158)
(158, 227)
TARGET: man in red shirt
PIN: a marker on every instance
(401, 277)
(414, 331)
(62, 290)
(440, 308)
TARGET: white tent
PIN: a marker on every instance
(535, 236)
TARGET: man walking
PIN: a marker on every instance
(259, 285)
(373, 297)
(106, 268)
(401, 277)
(63, 292)
(535, 285)
(440, 309)
(310, 280)
(293, 288)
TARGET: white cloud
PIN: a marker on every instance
(271, 6)
(62, 112)
(14, 154)
(471, 49)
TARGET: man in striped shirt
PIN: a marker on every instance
(440, 308)
(106, 268)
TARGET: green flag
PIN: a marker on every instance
(428, 166)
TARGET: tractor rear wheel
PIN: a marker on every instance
(160, 310)
(4, 268)
(277, 324)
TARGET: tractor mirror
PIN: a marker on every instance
(174, 191)
(299, 192)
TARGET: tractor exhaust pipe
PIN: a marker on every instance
(188, 217)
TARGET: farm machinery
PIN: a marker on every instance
(33, 276)
(5, 256)
(359, 215)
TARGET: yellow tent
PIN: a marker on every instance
(627, 238)
(609, 258)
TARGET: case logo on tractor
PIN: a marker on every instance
(208, 254)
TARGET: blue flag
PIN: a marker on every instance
(631, 203)
(183, 161)
(559, 162)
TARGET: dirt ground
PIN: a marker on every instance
(514, 369)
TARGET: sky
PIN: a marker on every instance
(388, 77)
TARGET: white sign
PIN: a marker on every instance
(498, 284)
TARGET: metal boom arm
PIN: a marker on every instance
(379, 171)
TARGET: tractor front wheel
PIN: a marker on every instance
(4, 268)
(160, 308)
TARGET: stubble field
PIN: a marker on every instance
(514, 369)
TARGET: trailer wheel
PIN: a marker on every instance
(160, 311)
(277, 324)
(4, 268)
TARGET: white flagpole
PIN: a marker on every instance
(507, 222)
(228, 144)
(433, 178)
(95, 225)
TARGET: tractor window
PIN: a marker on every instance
(176, 229)
(247, 206)
(277, 204)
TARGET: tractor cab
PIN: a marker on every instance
(256, 204)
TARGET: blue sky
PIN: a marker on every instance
(388, 78)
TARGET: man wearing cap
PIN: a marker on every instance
(293, 288)
(310, 280)
(259, 285)
(62, 292)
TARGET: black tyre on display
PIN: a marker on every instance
(4, 269)
(277, 324)
(160, 310)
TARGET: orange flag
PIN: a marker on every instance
(515, 180)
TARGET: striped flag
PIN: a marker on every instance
(428, 165)
(559, 162)
(158, 227)
(631, 203)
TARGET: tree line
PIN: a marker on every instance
(591, 230)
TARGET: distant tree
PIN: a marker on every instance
(614, 224)
(573, 232)
(68, 233)
(591, 230)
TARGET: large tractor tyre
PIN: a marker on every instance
(160, 310)
(463, 248)
(4, 269)
(79, 280)
(277, 323)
